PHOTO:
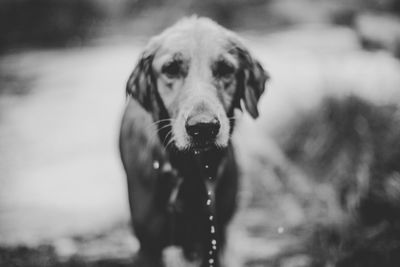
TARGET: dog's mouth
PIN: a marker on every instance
(197, 147)
(204, 145)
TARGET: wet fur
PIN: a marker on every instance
(145, 138)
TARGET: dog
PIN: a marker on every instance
(175, 138)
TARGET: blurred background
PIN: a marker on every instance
(321, 182)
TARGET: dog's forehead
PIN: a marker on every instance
(193, 37)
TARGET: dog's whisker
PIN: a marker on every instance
(169, 143)
(163, 127)
(168, 119)
(163, 120)
(166, 137)
(155, 133)
(157, 123)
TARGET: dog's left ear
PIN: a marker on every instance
(140, 81)
(253, 78)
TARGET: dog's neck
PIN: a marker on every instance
(197, 175)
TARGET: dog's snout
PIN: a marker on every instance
(202, 127)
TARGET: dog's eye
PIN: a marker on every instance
(172, 69)
(223, 69)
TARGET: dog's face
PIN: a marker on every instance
(195, 74)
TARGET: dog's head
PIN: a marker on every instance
(192, 77)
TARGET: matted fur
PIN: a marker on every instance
(198, 69)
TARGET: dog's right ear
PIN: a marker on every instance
(252, 76)
(141, 83)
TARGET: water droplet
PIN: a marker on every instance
(211, 261)
(210, 252)
(206, 166)
(156, 165)
(196, 152)
(167, 167)
(210, 178)
(211, 218)
(212, 229)
(209, 193)
(214, 247)
(208, 202)
(214, 242)
(281, 230)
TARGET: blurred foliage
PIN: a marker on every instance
(391, 6)
(233, 14)
(45, 22)
(352, 146)
(49, 23)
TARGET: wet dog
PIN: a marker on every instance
(175, 138)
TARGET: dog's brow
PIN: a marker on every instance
(228, 58)
(231, 47)
(176, 57)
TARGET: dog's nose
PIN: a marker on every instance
(202, 127)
